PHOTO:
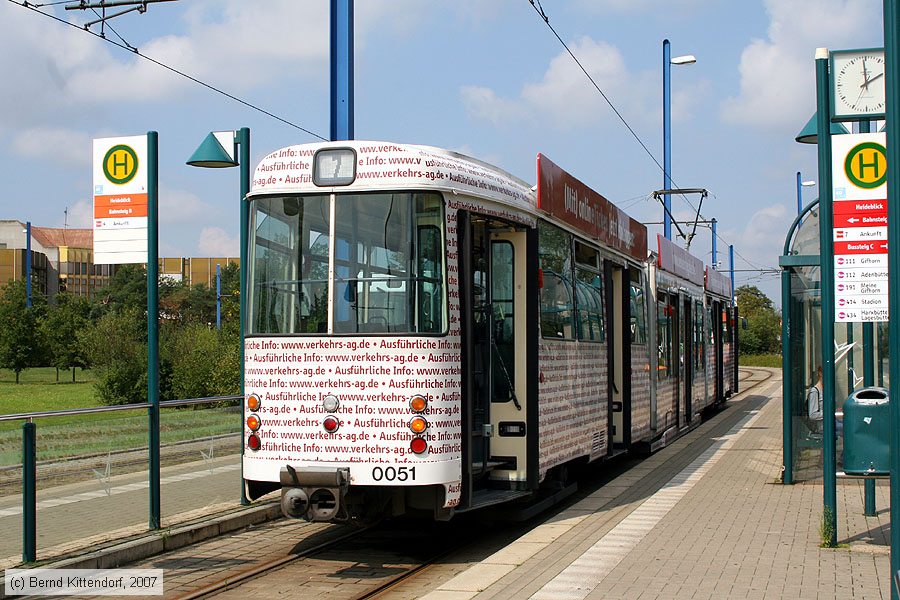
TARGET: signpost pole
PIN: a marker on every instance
(153, 323)
(28, 264)
(892, 117)
(243, 140)
(826, 261)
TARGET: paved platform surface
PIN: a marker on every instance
(720, 526)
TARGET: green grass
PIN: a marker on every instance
(760, 360)
(75, 435)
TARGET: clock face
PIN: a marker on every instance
(858, 80)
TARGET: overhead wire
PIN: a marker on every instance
(125, 46)
(536, 4)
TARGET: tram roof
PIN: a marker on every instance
(390, 166)
(387, 165)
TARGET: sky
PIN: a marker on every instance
(486, 78)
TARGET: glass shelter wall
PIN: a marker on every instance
(805, 348)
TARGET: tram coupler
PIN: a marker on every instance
(313, 494)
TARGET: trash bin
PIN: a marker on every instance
(867, 434)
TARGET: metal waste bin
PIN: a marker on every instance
(867, 434)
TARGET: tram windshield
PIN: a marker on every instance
(377, 259)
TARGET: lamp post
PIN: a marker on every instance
(800, 185)
(28, 264)
(222, 149)
(714, 253)
(687, 59)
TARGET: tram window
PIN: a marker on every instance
(664, 334)
(638, 310)
(388, 263)
(700, 353)
(589, 306)
(589, 324)
(289, 266)
(557, 294)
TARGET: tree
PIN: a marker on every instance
(763, 332)
(21, 342)
(71, 315)
(117, 348)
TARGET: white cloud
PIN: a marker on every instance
(762, 234)
(215, 241)
(639, 6)
(65, 146)
(80, 215)
(566, 97)
(778, 73)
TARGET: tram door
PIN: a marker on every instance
(687, 356)
(492, 285)
(618, 317)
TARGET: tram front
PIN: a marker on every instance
(352, 360)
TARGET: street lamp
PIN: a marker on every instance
(800, 185)
(687, 59)
(220, 150)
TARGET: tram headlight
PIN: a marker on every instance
(331, 424)
(418, 445)
(330, 403)
(418, 425)
(253, 442)
(253, 402)
(253, 422)
(418, 404)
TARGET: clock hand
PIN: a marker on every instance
(868, 81)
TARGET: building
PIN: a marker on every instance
(62, 261)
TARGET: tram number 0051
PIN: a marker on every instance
(394, 473)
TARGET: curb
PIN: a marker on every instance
(164, 540)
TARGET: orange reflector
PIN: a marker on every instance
(253, 442)
(253, 422)
(253, 402)
(418, 404)
(418, 445)
(418, 424)
(331, 424)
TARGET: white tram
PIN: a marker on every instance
(427, 333)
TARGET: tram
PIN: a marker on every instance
(429, 334)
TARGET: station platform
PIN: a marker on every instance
(705, 517)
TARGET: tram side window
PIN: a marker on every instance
(638, 310)
(664, 333)
(726, 326)
(700, 354)
(589, 323)
(557, 294)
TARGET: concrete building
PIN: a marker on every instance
(62, 261)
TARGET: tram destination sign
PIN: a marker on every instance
(120, 200)
(859, 231)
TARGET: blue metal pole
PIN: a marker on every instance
(29, 493)
(219, 298)
(153, 324)
(243, 139)
(731, 262)
(892, 118)
(714, 240)
(341, 70)
(667, 139)
(826, 269)
(28, 264)
(799, 194)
